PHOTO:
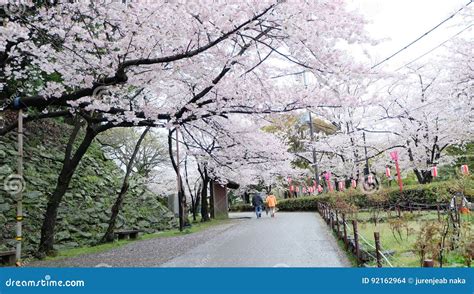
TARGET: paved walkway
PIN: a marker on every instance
(289, 239)
(297, 239)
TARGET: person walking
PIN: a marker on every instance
(271, 202)
(257, 203)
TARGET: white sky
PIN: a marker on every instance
(402, 21)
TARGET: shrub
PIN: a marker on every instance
(301, 203)
(239, 207)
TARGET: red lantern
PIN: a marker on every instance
(387, 172)
(434, 171)
(353, 183)
(465, 169)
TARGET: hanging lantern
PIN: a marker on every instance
(434, 171)
(320, 188)
(353, 183)
(304, 189)
(341, 186)
(370, 179)
(387, 172)
(292, 188)
(465, 169)
(297, 189)
(289, 180)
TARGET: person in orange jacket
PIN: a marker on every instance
(271, 202)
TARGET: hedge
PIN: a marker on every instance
(433, 193)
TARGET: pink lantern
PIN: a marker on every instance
(353, 183)
(394, 155)
(304, 189)
(341, 186)
(292, 188)
(370, 179)
(327, 175)
(320, 188)
(289, 180)
(387, 172)
(297, 189)
(465, 169)
(434, 171)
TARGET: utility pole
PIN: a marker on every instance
(19, 195)
(315, 165)
(311, 130)
(366, 169)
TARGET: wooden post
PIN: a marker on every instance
(345, 229)
(337, 225)
(428, 263)
(439, 216)
(398, 211)
(356, 240)
(331, 215)
(378, 254)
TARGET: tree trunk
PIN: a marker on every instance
(181, 195)
(211, 200)
(423, 176)
(204, 204)
(64, 179)
(109, 234)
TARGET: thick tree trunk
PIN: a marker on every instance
(423, 176)
(64, 179)
(109, 234)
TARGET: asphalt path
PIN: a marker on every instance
(299, 239)
(291, 239)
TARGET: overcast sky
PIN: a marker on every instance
(402, 21)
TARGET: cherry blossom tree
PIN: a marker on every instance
(153, 63)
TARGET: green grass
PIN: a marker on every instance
(73, 252)
(405, 255)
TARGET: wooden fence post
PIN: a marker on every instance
(356, 240)
(437, 208)
(377, 249)
(345, 229)
(337, 225)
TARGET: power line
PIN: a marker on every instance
(433, 49)
(422, 36)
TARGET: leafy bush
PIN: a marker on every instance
(301, 203)
(239, 207)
